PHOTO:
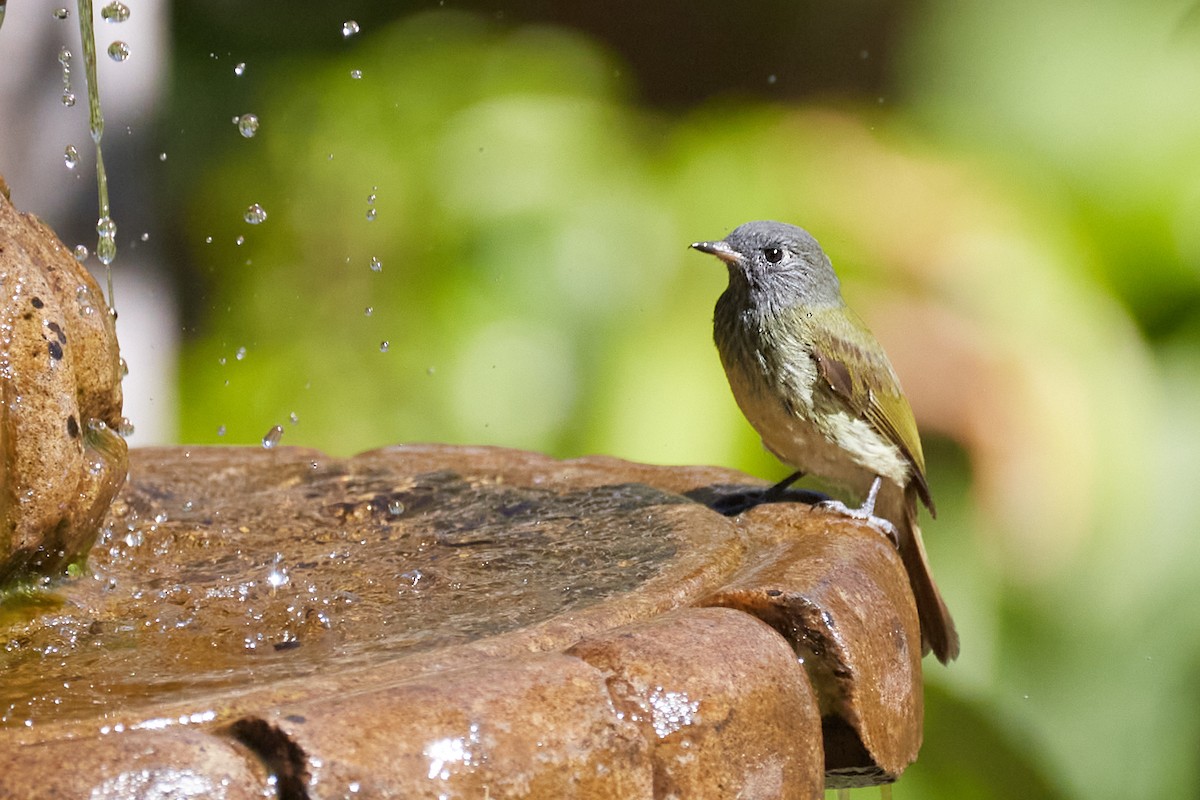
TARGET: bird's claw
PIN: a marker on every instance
(880, 525)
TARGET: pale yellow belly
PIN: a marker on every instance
(847, 452)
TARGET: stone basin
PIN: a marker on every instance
(433, 621)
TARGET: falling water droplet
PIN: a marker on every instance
(220, 430)
(369, 310)
(71, 156)
(162, 156)
(349, 28)
(239, 69)
(239, 241)
(81, 252)
(293, 417)
(272, 437)
(255, 214)
(247, 124)
(115, 12)
(376, 264)
(240, 354)
(370, 214)
(61, 13)
(383, 346)
(83, 295)
(356, 74)
(125, 428)
(118, 51)
(64, 58)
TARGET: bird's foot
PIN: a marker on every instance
(866, 513)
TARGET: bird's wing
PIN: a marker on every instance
(872, 394)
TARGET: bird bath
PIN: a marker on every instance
(431, 621)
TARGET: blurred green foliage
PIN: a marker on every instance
(1019, 218)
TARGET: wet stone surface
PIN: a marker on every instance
(190, 594)
(513, 620)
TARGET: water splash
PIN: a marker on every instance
(446, 754)
(671, 711)
(278, 575)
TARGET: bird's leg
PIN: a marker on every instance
(734, 504)
(866, 512)
(775, 492)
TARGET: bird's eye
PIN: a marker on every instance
(773, 254)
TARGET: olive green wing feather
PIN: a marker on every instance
(871, 393)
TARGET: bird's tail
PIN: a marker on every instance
(937, 628)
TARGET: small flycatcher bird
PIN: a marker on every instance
(816, 385)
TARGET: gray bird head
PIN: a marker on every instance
(774, 265)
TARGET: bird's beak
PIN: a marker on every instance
(720, 250)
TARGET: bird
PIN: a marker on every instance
(816, 385)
